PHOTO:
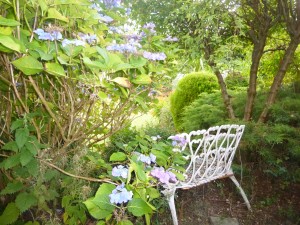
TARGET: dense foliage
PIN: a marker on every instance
(188, 89)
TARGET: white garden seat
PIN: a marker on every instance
(210, 153)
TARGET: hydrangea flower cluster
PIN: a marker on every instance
(120, 195)
(111, 3)
(171, 39)
(146, 159)
(105, 19)
(88, 38)
(163, 176)
(154, 56)
(42, 35)
(151, 27)
(75, 42)
(120, 171)
(123, 48)
(178, 140)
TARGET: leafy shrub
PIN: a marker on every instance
(236, 81)
(188, 89)
(206, 111)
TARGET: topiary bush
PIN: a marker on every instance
(188, 90)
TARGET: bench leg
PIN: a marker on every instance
(172, 206)
(241, 191)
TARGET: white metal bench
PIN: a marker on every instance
(210, 153)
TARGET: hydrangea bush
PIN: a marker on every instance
(139, 173)
(72, 74)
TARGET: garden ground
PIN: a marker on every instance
(273, 203)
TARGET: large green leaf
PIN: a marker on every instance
(11, 43)
(54, 14)
(22, 135)
(55, 69)
(138, 207)
(122, 81)
(28, 65)
(118, 156)
(25, 200)
(96, 211)
(105, 189)
(10, 214)
(142, 79)
(8, 22)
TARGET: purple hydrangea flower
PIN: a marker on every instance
(75, 42)
(120, 171)
(163, 176)
(42, 35)
(154, 56)
(120, 195)
(178, 140)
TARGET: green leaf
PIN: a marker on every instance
(22, 135)
(105, 189)
(125, 222)
(8, 22)
(118, 156)
(25, 156)
(10, 214)
(11, 146)
(54, 14)
(153, 193)
(138, 62)
(101, 222)
(31, 147)
(96, 211)
(11, 161)
(43, 5)
(12, 188)
(32, 223)
(25, 200)
(10, 42)
(142, 79)
(33, 167)
(43, 55)
(103, 53)
(17, 124)
(138, 207)
(55, 69)
(28, 65)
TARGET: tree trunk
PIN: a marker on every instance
(256, 56)
(225, 95)
(278, 78)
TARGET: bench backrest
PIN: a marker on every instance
(210, 152)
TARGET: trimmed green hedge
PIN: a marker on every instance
(188, 90)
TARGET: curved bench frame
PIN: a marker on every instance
(210, 153)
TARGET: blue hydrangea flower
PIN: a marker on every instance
(111, 3)
(150, 27)
(106, 19)
(146, 159)
(155, 138)
(178, 140)
(120, 195)
(123, 48)
(42, 35)
(171, 39)
(120, 171)
(88, 38)
(154, 56)
(75, 42)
